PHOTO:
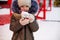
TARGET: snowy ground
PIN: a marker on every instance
(47, 31)
(4, 11)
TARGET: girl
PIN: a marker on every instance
(23, 28)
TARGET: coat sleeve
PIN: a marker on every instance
(15, 25)
(34, 26)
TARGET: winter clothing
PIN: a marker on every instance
(33, 9)
(24, 2)
(21, 32)
(33, 18)
(27, 15)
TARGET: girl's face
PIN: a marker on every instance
(24, 8)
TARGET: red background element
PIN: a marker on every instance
(43, 8)
(5, 19)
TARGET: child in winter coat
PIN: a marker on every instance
(23, 24)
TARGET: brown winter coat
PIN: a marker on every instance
(22, 32)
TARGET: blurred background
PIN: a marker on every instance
(49, 25)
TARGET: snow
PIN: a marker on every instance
(4, 11)
(47, 31)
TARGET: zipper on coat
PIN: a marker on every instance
(25, 33)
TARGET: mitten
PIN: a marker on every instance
(24, 21)
(32, 18)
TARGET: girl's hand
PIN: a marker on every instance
(24, 21)
(31, 18)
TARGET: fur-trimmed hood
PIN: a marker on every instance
(33, 9)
